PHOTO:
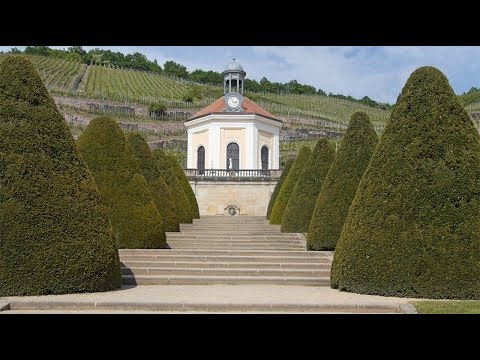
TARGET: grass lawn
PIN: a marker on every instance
(448, 307)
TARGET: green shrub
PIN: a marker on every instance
(182, 178)
(55, 236)
(297, 214)
(159, 188)
(413, 228)
(182, 206)
(341, 183)
(157, 109)
(280, 182)
(136, 222)
(289, 184)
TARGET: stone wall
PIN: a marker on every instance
(248, 198)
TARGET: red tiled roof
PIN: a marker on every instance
(218, 106)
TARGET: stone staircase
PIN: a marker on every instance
(229, 250)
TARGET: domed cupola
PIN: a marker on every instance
(233, 78)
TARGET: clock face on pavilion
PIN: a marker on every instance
(234, 101)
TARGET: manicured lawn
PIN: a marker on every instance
(448, 307)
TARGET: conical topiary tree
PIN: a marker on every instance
(280, 182)
(298, 212)
(413, 228)
(55, 236)
(182, 206)
(136, 222)
(187, 189)
(158, 186)
(341, 183)
(289, 185)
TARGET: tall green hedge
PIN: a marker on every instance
(289, 185)
(414, 225)
(136, 222)
(55, 236)
(341, 183)
(182, 178)
(297, 214)
(158, 186)
(182, 206)
(280, 182)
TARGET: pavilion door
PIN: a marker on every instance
(233, 157)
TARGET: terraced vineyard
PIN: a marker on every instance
(130, 86)
(143, 87)
(316, 107)
(60, 75)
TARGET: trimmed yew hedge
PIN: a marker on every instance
(289, 184)
(414, 225)
(301, 204)
(158, 186)
(136, 222)
(182, 206)
(187, 189)
(55, 236)
(341, 183)
(280, 182)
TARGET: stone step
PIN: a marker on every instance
(226, 258)
(228, 223)
(231, 233)
(198, 245)
(233, 225)
(204, 233)
(229, 227)
(224, 265)
(243, 243)
(234, 237)
(226, 280)
(243, 218)
(146, 271)
(204, 252)
(129, 306)
(228, 251)
(186, 235)
(238, 241)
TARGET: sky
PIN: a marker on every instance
(378, 72)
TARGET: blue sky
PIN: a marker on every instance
(376, 71)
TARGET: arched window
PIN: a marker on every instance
(233, 157)
(201, 160)
(264, 157)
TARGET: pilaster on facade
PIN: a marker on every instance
(190, 153)
(276, 150)
(215, 136)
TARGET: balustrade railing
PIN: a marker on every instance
(224, 174)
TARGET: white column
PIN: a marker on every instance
(189, 150)
(215, 146)
(276, 151)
